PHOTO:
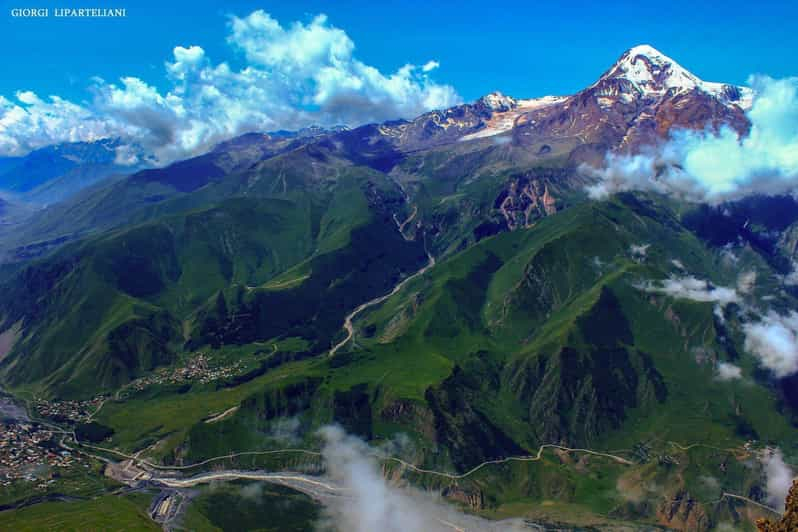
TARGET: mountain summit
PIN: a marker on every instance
(638, 101)
(497, 101)
(653, 74)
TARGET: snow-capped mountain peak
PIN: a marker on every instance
(653, 74)
(653, 71)
(497, 101)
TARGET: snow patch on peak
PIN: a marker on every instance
(653, 73)
(544, 101)
(648, 51)
(503, 119)
(497, 101)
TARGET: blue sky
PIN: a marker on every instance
(523, 49)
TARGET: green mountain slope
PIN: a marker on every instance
(469, 362)
(542, 335)
(536, 326)
(539, 336)
(108, 309)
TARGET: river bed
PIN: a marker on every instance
(11, 409)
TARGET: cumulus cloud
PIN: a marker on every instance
(705, 166)
(728, 371)
(31, 122)
(774, 340)
(779, 477)
(127, 155)
(374, 504)
(294, 76)
(430, 66)
(694, 289)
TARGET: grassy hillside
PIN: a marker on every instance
(468, 360)
(111, 512)
(536, 326)
(108, 309)
(538, 336)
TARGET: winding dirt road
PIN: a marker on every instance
(349, 327)
(530, 458)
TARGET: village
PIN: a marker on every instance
(198, 369)
(30, 452)
(68, 411)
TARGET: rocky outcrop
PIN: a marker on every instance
(682, 512)
(410, 413)
(524, 200)
(473, 499)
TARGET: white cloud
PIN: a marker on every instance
(715, 167)
(728, 255)
(728, 371)
(639, 250)
(430, 66)
(302, 48)
(372, 503)
(693, 289)
(32, 122)
(774, 340)
(294, 76)
(28, 97)
(126, 155)
(286, 430)
(186, 60)
(779, 477)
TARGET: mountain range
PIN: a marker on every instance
(445, 278)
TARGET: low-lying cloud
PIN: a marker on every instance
(286, 430)
(771, 337)
(774, 340)
(728, 371)
(294, 76)
(779, 477)
(715, 167)
(371, 503)
(694, 289)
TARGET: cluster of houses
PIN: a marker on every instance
(29, 452)
(73, 411)
(197, 369)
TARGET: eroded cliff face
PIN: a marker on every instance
(524, 200)
(682, 512)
